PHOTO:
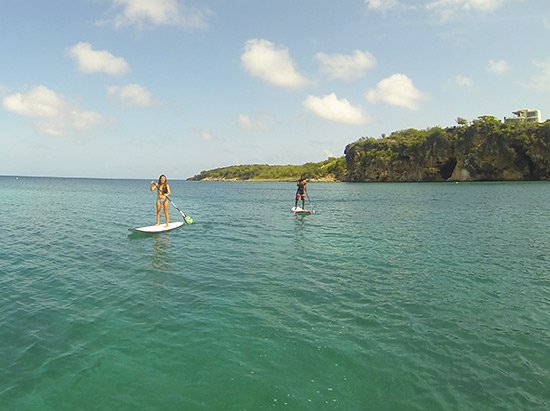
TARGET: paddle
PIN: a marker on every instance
(186, 218)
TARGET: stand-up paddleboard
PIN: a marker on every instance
(301, 211)
(159, 228)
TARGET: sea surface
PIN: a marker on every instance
(418, 296)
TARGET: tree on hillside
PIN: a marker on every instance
(461, 121)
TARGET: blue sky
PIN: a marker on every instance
(136, 88)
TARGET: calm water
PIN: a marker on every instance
(391, 296)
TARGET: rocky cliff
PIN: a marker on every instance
(486, 149)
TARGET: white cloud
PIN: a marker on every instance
(346, 67)
(93, 61)
(541, 81)
(50, 112)
(331, 108)
(497, 66)
(245, 121)
(262, 59)
(443, 9)
(397, 90)
(262, 122)
(206, 135)
(447, 9)
(131, 95)
(148, 13)
(381, 5)
(462, 81)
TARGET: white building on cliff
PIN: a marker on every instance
(525, 115)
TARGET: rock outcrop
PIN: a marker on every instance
(486, 150)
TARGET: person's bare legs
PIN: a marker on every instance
(158, 213)
(166, 214)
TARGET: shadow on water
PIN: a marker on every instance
(137, 235)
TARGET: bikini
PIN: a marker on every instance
(163, 192)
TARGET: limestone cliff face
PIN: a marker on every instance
(485, 150)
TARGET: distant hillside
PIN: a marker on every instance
(484, 150)
(333, 169)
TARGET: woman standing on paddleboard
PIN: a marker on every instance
(163, 190)
(301, 192)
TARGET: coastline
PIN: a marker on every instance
(270, 180)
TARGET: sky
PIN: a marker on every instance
(139, 88)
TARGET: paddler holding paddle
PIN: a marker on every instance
(301, 192)
(163, 191)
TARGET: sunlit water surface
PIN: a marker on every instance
(390, 296)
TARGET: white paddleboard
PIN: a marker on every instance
(159, 228)
(299, 210)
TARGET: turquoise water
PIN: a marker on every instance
(391, 296)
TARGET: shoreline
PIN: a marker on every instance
(268, 180)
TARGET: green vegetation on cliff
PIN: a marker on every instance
(485, 149)
(333, 169)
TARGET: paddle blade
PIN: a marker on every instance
(188, 219)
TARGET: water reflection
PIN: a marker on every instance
(299, 232)
(160, 258)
